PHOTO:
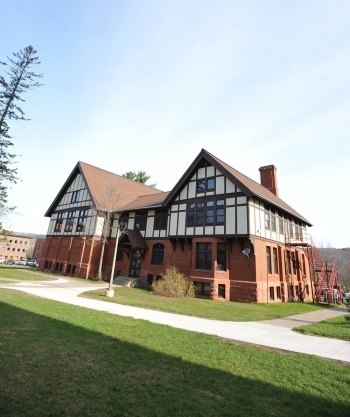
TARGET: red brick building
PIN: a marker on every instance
(225, 231)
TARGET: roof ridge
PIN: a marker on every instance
(117, 175)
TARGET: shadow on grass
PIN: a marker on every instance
(62, 360)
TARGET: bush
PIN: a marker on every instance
(174, 284)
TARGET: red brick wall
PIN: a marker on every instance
(85, 254)
(246, 278)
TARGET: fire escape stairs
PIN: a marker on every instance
(324, 274)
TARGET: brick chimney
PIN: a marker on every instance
(268, 178)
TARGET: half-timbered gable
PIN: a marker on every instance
(213, 199)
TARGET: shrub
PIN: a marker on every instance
(347, 304)
(174, 284)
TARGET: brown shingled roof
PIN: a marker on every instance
(108, 191)
(100, 183)
(248, 186)
(145, 201)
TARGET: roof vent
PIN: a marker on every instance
(268, 178)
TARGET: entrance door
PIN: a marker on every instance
(135, 264)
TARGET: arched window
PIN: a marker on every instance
(158, 254)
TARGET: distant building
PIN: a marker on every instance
(17, 245)
(233, 237)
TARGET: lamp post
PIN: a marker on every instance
(120, 229)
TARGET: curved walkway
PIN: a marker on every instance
(272, 333)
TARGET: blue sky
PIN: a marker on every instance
(145, 85)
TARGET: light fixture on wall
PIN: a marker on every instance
(246, 252)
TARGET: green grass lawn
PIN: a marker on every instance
(218, 310)
(14, 272)
(337, 327)
(63, 360)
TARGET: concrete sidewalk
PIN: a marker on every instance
(273, 333)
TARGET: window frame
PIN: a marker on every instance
(275, 260)
(205, 213)
(83, 214)
(75, 196)
(204, 185)
(68, 227)
(221, 257)
(142, 218)
(268, 260)
(204, 256)
(58, 224)
(160, 221)
(158, 250)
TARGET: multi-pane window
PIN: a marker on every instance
(158, 254)
(304, 265)
(220, 212)
(71, 269)
(272, 293)
(190, 216)
(278, 292)
(291, 228)
(268, 259)
(221, 257)
(204, 256)
(141, 221)
(82, 220)
(160, 221)
(294, 263)
(288, 269)
(206, 213)
(59, 221)
(273, 223)
(75, 196)
(281, 229)
(203, 288)
(205, 184)
(290, 291)
(275, 260)
(267, 220)
(69, 222)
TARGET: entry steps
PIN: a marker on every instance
(123, 281)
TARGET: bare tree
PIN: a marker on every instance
(105, 209)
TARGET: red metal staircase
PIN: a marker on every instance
(324, 274)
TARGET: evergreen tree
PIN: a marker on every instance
(18, 78)
(139, 176)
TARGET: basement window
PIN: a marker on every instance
(203, 288)
(221, 290)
